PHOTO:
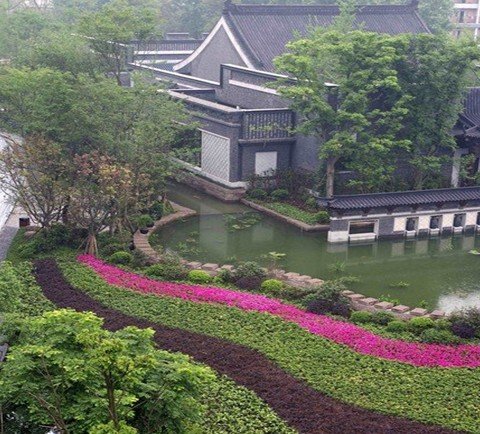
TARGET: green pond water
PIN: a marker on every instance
(438, 270)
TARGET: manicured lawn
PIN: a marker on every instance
(447, 397)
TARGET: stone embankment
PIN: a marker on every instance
(358, 301)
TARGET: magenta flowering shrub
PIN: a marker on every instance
(356, 338)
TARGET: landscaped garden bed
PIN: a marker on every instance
(302, 406)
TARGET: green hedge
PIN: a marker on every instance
(296, 213)
(447, 397)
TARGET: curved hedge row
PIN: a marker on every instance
(446, 397)
(300, 405)
(357, 338)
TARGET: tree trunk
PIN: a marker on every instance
(331, 162)
(112, 406)
(91, 248)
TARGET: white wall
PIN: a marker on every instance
(5, 206)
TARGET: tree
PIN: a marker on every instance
(433, 74)
(68, 372)
(35, 175)
(113, 27)
(347, 92)
(98, 187)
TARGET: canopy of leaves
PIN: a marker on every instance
(71, 373)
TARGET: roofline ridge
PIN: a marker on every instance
(447, 189)
(232, 8)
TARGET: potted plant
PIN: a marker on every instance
(144, 223)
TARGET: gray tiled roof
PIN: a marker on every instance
(265, 30)
(402, 198)
(472, 106)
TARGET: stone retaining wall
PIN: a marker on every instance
(359, 302)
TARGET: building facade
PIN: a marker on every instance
(467, 17)
(246, 128)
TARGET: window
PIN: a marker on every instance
(435, 222)
(411, 224)
(265, 162)
(362, 227)
(459, 220)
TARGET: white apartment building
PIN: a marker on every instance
(467, 17)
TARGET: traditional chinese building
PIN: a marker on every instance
(245, 126)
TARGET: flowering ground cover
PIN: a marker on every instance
(302, 406)
(447, 397)
(356, 338)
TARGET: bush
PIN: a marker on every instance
(361, 317)
(329, 300)
(279, 195)
(258, 193)
(225, 276)
(273, 286)
(463, 329)
(434, 336)
(443, 324)
(156, 210)
(121, 258)
(469, 316)
(249, 269)
(382, 318)
(145, 221)
(418, 325)
(199, 276)
(166, 271)
(322, 217)
(311, 202)
(111, 248)
(397, 326)
(249, 282)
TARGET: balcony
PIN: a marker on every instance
(261, 125)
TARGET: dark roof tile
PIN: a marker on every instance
(403, 198)
(264, 30)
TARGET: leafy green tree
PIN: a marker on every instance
(347, 92)
(433, 73)
(68, 372)
(114, 26)
(59, 50)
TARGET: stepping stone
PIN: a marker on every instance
(384, 305)
(316, 282)
(438, 314)
(194, 265)
(292, 276)
(419, 312)
(400, 309)
(304, 278)
(210, 267)
(368, 301)
(356, 297)
(347, 293)
(227, 267)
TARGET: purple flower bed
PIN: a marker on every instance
(356, 338)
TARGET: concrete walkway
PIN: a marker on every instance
(8, 232)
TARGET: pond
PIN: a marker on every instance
(439, 271)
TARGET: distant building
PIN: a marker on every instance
(467, 17)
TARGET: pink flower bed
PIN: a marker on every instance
(356, 338)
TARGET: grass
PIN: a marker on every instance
(292, 211)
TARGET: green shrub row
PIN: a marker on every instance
(447, 397)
